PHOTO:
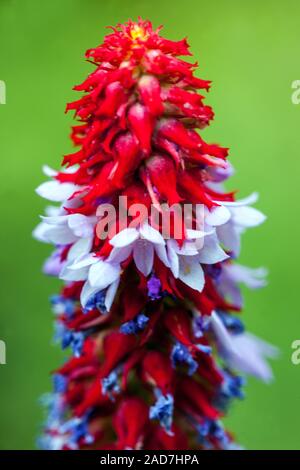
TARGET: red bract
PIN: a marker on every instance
(141, 123)
(150, 92)
(130, 423)
(159, 165)
(157, 371)
(127, 159)
(138, 79)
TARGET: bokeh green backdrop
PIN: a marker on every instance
(251, 51)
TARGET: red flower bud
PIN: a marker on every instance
(116, 345)
(162, 174)
(130, 423)
(157, 371)
(114, 97)
(175, 131)
(127, 158)
(141, 124)
(192, 396)
(193, 190)
(149, 89)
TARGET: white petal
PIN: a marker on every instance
(118, 255)
(151, 234)
(252, 278)
(110, 294)
(55, 219)
(212, 253)
(71, 169)
(40, 232)
(143, 255)
(60, 235)
(269, 350)
(191, 272)
(102, 274)
(52, 211)
(73, 275)
(173, 258)
(244, 352)
(221, 332)
(189, 248)
(230, 289)
(161, 252)
(80, 225)
(125, 237)
(248, 359)
(229, 237)
(218, 215)
(48, 171)
(251, 199)
(247, 216)
(75, 202)
(195, 234)
(80, 248)
(87, 292)
(220, 174)
(56, 191)
(84, 261)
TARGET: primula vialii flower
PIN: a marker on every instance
(151, 318)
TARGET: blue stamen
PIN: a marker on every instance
(59, 383)
(200, 325)
(233, 324)
(96, 302)
(77, 343)
(231, 388)
(110, 385)
(70, 338)
(78, 428)
(205, 349)
(62, 306)
(214, 429)
(162, 410)
(180, 354)
(134, 326)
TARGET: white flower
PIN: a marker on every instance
(39, 233)
(142, 242)
(218, 215)
(241, 217)
(185, 262)
(64, 229)
(55, 190)
(244, 352)
(79, 250)
(101, 274)
(233, 274)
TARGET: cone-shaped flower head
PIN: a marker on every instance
(145, 241)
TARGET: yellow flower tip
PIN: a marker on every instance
(137, 32)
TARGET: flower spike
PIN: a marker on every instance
(145, 240)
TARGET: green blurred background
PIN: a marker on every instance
(250, 50)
